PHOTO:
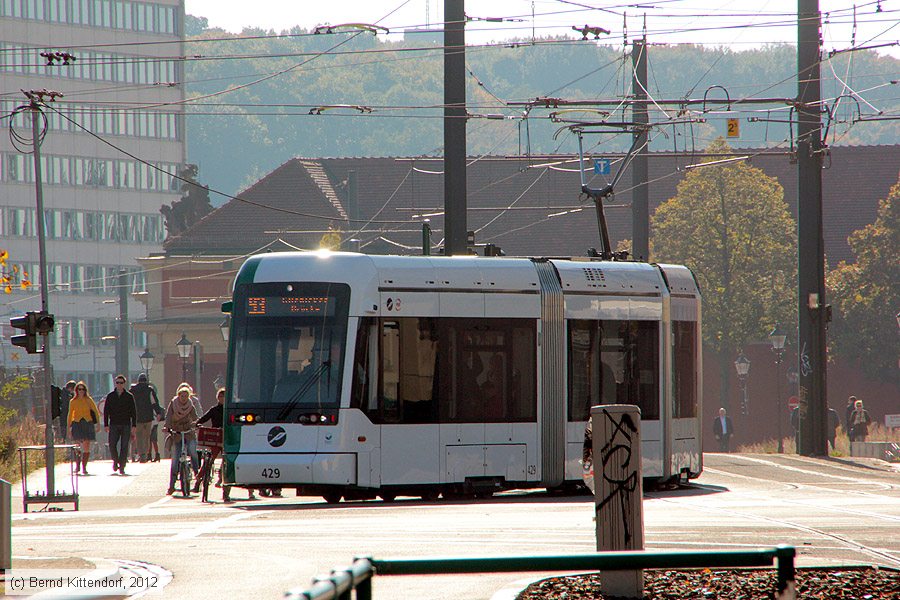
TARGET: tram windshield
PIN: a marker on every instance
(289, 341)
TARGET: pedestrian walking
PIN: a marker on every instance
(833, 422)
(795, 427)
(723, 430)
(144, 400)
(859, 423)
(851, 406)
(119, 422)
(60, 406)
(154, 432)
(83, 418)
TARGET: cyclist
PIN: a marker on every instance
(214, 416)
(180, 417)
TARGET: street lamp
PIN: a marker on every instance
(777, 337)
(146, 361)
(184, 350)
(225, 327)
(742, 366)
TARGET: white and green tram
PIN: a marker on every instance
(354, 376)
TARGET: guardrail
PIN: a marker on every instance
(358, 577)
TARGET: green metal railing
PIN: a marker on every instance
(358, 577)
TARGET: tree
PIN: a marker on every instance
(11, 275)
(866, 294)
(191, 207)
(730, 224)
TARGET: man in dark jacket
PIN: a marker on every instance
(723, 430)
(119, 422)
(146, 403)
(60, 406)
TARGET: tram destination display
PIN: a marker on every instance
(286, 306)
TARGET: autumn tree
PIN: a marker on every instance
(866, 295)
(730, 224)
(11, 275)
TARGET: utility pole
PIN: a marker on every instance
(640, 172)
(352, 208)
(122, 336)
(35, 99)
(455, 128)
(812, 309)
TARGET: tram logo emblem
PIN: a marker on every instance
(277, 437)
(390, 304)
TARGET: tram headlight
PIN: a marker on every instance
(244, 419)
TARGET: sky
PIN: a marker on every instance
(713, 22)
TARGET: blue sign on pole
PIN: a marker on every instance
(601, 166)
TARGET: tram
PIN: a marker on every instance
(355, 376)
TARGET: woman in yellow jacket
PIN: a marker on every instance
(83, 419)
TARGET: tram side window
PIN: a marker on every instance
(364, 394)
(640, 342)
(408, 356)
(613, 362)
(684, 339)
(592, 380)
(456, 370)
(489, 371)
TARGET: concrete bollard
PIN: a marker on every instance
(5, 525)
(618, 491)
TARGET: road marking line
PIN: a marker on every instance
(804, 471)
(156, 503)
(211, 526)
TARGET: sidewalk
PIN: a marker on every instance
(102, 488)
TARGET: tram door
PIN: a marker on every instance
(409, 432)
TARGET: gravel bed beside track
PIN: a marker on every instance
(865, 583)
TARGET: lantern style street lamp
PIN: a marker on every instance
(146, 361)
(777, 338)
(225, 327)
(184, 351)
(742, 366)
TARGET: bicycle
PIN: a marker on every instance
(183, 472)
(209, 440)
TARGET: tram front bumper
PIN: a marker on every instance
(290, 469)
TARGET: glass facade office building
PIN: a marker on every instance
(122, 82)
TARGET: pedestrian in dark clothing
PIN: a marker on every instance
(119, 420)
(851, 406)
(795, 425)
(833, 422)
(214, 415)
(154, 432)
(144, 400)
(723, 430)
(60, 406)
(859, 423)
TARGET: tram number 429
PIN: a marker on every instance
(270, 473)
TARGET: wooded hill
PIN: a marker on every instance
(241, 135)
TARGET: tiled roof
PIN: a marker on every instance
(394, 192)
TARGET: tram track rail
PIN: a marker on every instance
(834, 486)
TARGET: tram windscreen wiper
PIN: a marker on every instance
(304, 387)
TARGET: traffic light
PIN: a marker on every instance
(29, 339)
(32, 324)
(43, 322)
